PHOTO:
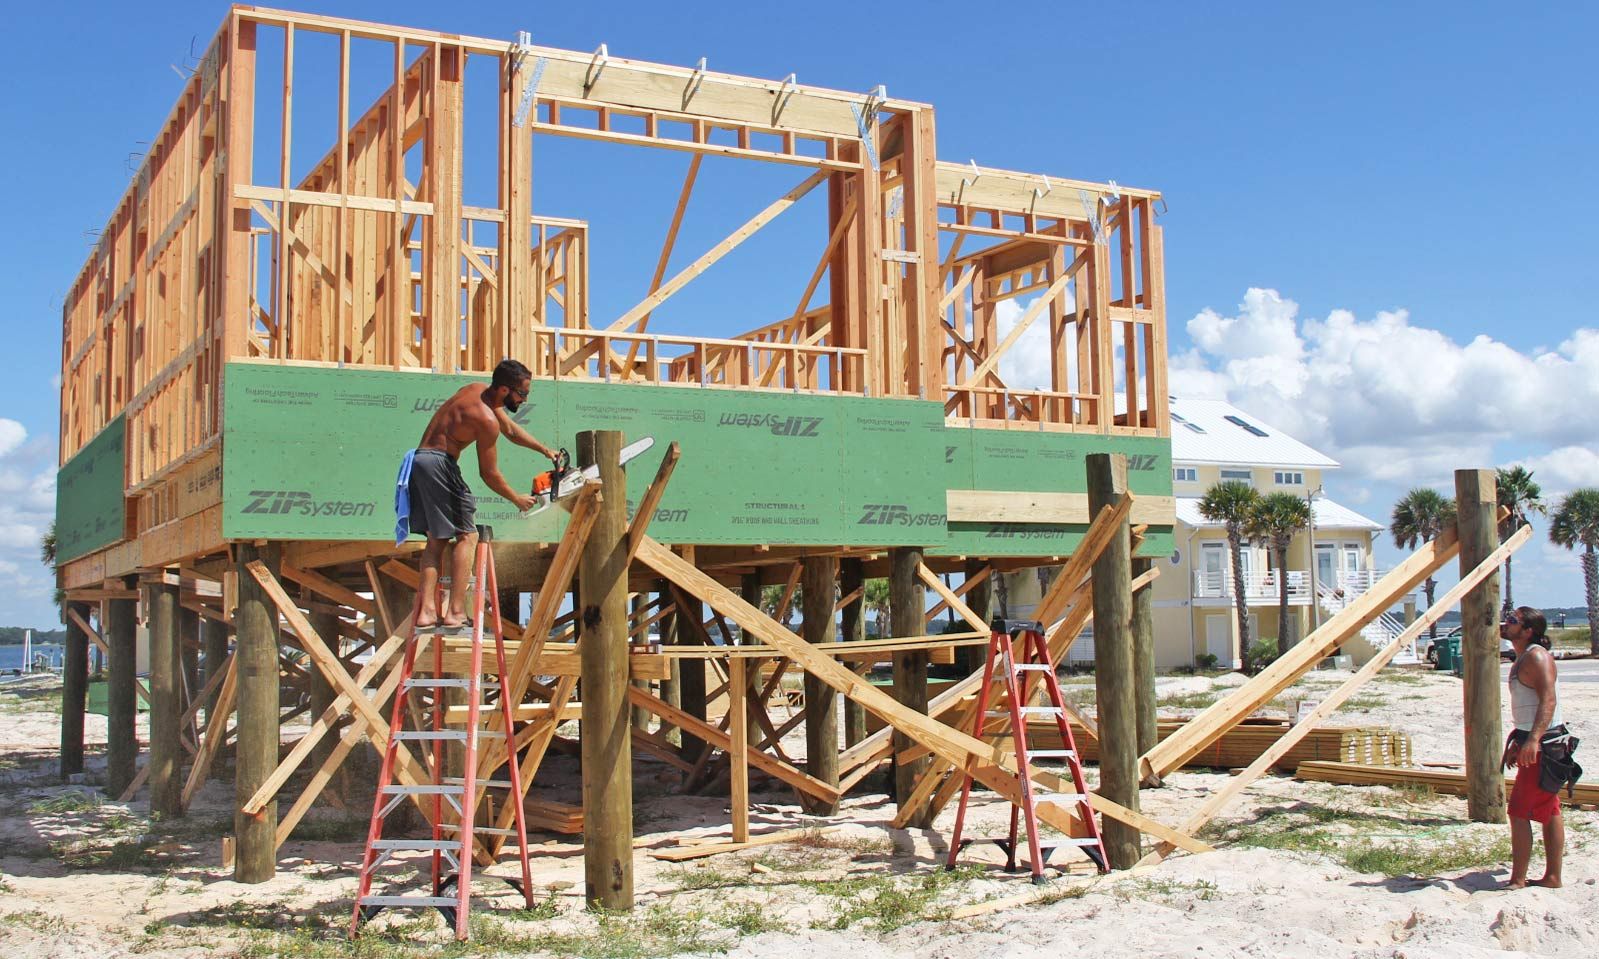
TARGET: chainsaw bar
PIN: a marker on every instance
(573, 479)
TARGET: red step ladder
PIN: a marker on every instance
(1017, 691)
(451, 841)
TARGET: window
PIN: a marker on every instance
(1246, 426)
(1289, 478)
(1195, 427)
(1185, 474)
(1238, 476)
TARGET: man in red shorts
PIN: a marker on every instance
(1538, 730)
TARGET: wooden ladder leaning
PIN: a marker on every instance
(1018, 689)
(454, 799)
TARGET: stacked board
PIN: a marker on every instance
(1243, 744)
(1451, 784)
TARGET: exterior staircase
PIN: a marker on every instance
(1377, 635)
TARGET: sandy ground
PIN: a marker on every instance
(1302, 869)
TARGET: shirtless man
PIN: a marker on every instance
(442, 506)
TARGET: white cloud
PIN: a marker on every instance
(1025, 366)
(27, 505)
(11, 435)
(1560, 471)
(1403, 405)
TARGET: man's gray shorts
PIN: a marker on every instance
(442, 505)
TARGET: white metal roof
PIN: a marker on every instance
(1329, 515)
(1202, 433)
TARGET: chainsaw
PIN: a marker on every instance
(562, 480)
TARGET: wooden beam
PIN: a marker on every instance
(1329, 704)
(989, 765)
(1208, 726)
(744, 232)
(607, 747)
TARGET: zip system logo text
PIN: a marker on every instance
(294, 502)
(777, 425)
(897, 514)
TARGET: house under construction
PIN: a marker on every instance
(249, 350)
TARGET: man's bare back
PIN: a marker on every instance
(442, 504)
(464, 419)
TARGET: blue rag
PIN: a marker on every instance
(402, 500)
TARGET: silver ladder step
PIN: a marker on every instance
(441, 735)
(1034, 668)
(1026, 711)
(1056, 842)
(423, 790)
(420, 845)
(1051, 753)
(479, 830)
(418, 902)
(1057, 798)
(430, 683)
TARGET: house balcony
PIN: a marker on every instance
(1260, 588)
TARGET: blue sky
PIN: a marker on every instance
(1424, 168)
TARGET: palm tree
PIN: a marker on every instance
(47, 555)
(1277, 517)
(1233, 505)
(875, 594)
(1576, 522)
(1419, 518)
(1520, 494)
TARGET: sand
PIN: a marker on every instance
(163, 892)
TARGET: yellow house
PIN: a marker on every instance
(1195, 618)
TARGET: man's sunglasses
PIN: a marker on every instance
(1512, 621)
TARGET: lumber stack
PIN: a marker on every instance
(1243, 744)
(548, 816)
(1451, 784)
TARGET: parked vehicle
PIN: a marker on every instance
(1507, 652)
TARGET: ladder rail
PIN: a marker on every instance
(1021, 680)
(453, 827)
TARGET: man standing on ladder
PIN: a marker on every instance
(432, 497)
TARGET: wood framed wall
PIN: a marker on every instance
(228, 245)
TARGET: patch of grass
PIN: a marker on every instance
(1429, 858)
(659, 931)
(69, 801)
(34, 919)
(1197, 700)
(691, 878)
(1200, 889)
(886, 903)
(122, 854)
(1400, 678)
(1362, 703)
(751, 919)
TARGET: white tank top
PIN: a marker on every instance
(1524, 703)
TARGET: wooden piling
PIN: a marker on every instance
(122, 698)
(821, 700)
(1115, 678)
(189, 652)
(166, 701)
(852, 629)
(1143, 629)
(326, 624)
(671, 688)
(980, 599)
(256, 656)
(1476, 510)
(749, 588)
(74, 693)
(607, 740)
(691, 672)
(907, 606)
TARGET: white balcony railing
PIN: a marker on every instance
(1259, 585)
